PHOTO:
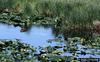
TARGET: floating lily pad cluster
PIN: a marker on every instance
(21, 19)
(71, 51)
(16, 51)
(16, 19)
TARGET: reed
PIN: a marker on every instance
(73, 11)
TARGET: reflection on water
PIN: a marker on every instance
(36, 36)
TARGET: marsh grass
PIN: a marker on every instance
(72, 10)
(75, 11)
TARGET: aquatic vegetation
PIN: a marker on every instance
(14, 51)
(72, 50)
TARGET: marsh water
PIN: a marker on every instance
(38, 36)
